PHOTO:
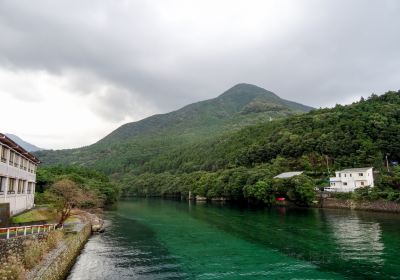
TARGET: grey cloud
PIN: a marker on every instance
(336, 49)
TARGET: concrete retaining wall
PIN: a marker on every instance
(380, 205)
(58, 263)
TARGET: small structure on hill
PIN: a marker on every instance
(287, 175)
(347, 180)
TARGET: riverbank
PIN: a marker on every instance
(58, 263)
(377, 206)
(47, 255)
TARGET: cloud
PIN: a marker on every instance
(127, 59)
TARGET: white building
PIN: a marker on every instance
(347, 180)
(17, 176)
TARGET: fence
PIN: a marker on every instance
(11, 232)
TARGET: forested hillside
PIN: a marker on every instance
(241, 159)
(242, 164)
(133, 145)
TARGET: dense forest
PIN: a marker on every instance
(87, 179)
(132, 145)
(241, 163)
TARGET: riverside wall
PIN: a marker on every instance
(378, 205)
(58, 263)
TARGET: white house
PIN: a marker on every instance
(17, 176)
(347, 180)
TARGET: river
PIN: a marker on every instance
(164, 239)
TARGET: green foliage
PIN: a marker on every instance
(229, 147)
(150, 144)
(88, 179)
(263, 191)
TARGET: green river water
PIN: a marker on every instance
(164, 239)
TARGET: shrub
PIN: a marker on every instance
(33, 252)
(54, 238)
(12, 269)
(342, 195)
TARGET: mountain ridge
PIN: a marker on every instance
(227, 103)
(27, 146)
(133, 144)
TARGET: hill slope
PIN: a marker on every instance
(27, 146)
(241, 163)
(239, 105)
(133, 144)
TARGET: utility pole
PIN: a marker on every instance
(387, 163)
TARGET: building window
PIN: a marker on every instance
(11, 186)
(344, 175)
(29, 190)
(16, 161)
(4, 151)
(350, 175)
(344, 184)
(362, 183)
(2, 184)
(20, 186)
(361, 174)
(340, 175)
(11, 160)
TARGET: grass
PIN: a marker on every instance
(35, 215)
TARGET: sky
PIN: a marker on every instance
(72, 71)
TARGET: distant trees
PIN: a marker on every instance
(242, 162)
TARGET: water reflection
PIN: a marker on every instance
(357, 239)
(158, 239)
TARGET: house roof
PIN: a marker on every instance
(286, 175)
(361, 169)
(11, 144)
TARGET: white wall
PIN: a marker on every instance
(18, 201)
(350, 180)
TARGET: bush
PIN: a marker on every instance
(342, 195)
(54, 238)
(12, 269)
(33, 252)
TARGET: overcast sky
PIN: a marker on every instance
(72, 71)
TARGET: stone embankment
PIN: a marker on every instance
(58, 263)
(378, 205)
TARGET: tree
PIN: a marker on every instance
(301, 189)
(66, 195)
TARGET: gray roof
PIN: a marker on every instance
(286, 175)
(361, 169)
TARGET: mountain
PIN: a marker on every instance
(27, 146)
(242, 164)
(132, 145)
(240, 105)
